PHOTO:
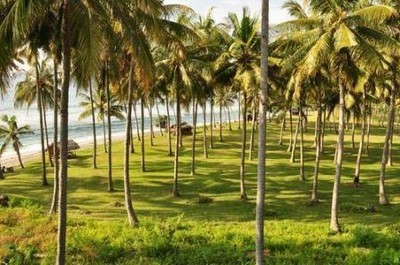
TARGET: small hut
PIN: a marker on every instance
(186, 128)
(72, 147)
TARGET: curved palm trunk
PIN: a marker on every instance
(109, 164)
(291, 131)
(158, 115)
(193, 165)
(151, 135)
(62, 208)
(143, 162)
(168, 126)
(16, 148)
(132, 146)
(136, 122)
(253, 124)
(175, 189)
(243, 195)
(383, 200)
(294, 146)
(54, 201)
(229, 118)
(40, 109)
(132, 218)
(356, 179)
(314, 195)
(335, 194)
(262, 136)
(220, 123)
(204, 132)
(93, 125)
(302, 178)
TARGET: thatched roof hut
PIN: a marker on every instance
(72, 147)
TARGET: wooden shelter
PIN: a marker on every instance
(72, 147)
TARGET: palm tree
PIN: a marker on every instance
(241, 61)
(348, 41)
(262, 135)
(24, 94)
(11, 134)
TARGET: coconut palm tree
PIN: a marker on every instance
(241, 62)
(348, 41)
(262, 135)
(11, 134)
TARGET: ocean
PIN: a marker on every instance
(81, 130)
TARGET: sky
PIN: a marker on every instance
(222, 7)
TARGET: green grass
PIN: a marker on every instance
(184, 231)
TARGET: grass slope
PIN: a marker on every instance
(182, 231)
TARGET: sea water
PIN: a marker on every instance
(81, 130)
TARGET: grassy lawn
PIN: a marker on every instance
(183, 231)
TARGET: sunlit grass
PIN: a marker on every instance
(179, 230)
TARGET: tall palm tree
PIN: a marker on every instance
(347, 41)
(262, 135)
(11, 134)
(241, 61)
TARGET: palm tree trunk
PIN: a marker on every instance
(239, 113)
(282, 129)
(40, 109)
(220, 123)
(168, 126)
(136, 122)
(383, 200)
(16, 148)
(229, 118)
(143, 162)
(356, 179)
(340, 140)
(260, 201)
(291, 130)
(253, 124)
(46, 131)
(151, 135)
(322, 141)
(159, 120)
(294, 146)
(179, 115)
(193, 165)
(132, 218)
(302, 178)
(243, 195)
(314, 195)
(93, 125)
(390, 160)
(204, 131)
(368, 133)
(175, 189)
(1, 172)
(132, 146)
(62, 208)
(211, 122)
(353, 130)
(109, 164)
(104, 133)
(54, 201)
